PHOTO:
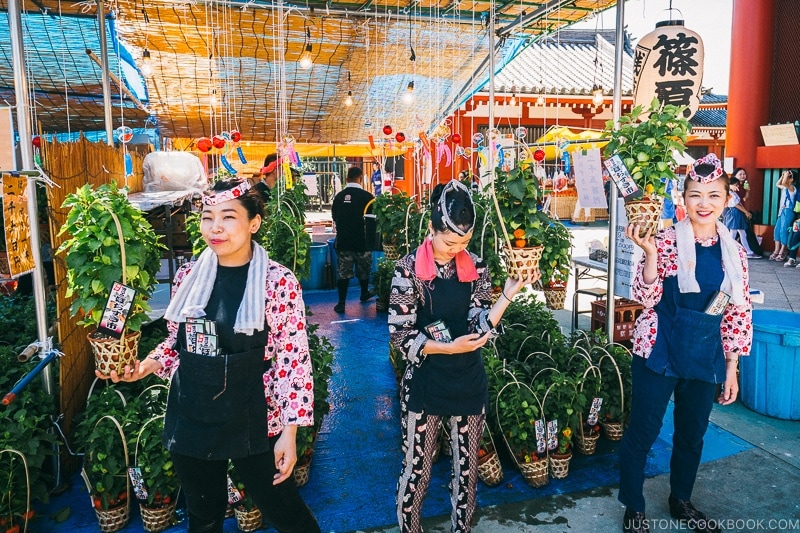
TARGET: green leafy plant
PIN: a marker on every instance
(158, 472)
(517, 412)
(391, 216)
(518, 195)
(647, 146)
(283, 230)
(556, 262)
(383, 283)
(485, 242)
(94, 257)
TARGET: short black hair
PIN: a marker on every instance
(459, 207)
(252, 200)
(270, 158)
(354, 173)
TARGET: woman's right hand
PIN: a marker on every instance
(139, 370)
(646, 243)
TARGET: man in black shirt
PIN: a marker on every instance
(267, 176)
(348, 211)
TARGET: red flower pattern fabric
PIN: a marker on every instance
(288, 384)
(737, 321)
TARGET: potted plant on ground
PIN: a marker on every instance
(646, 141)
(391, 212)
(110, 241)
(248, 516)
(490, 470)
(516, 411)
(383, 283)
(555, 264)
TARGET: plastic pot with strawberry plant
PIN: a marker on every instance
(646, 142)
(110, 241)
(556, 263)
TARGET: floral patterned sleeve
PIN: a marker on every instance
(737, 321)
(646, 329)
(165, 353)
(289, 383)
(403, 302)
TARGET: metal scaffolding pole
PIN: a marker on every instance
(106, 79)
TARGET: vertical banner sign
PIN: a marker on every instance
(589, 178)
(627, 258)
(17, 226)
(668, 65)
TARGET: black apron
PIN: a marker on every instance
(688, 343)
(216, 407)
(448, 384)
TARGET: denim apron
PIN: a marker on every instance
(688, 343)
(448, 384)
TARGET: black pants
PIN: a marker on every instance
(204, 483)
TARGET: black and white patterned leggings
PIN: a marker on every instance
(420, 438)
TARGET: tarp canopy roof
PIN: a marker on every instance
(220, 66)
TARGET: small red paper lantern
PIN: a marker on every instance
(456, 138)
(236, 136)
(218, 141)
(37, 141)
(204, 144)
(400, 137)
(538, 155)
(387, 130)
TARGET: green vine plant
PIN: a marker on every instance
(646, 141)
(556, 262)
(518, 194)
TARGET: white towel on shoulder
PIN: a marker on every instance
(732, 283)
(192, 296)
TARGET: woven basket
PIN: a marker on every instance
(157, 519)
(391, 252)
(613, 430)
(302, 473)
(562, 207)
(586, 444)
(559, 465)
(489, 469)
(247, 520)
(555, 298)
(535, 473)
(113, 354)
(523, 263)
(113, 519)
(646, 213)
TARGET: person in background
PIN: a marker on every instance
(244, 401)
(268, 176)
(696, 323)
(736, 217)
(788, 184)
(377, 178)
(741, 175)
(348, 210)
(439, 318)
(793, 243)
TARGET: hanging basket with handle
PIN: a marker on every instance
(613, 429)
(535, 471)
(155, 518)
(490, 471)
(586, 443)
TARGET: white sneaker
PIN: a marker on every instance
(790, 262)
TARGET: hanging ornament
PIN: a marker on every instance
(521, 132)
(387, 130)
(204, 144)
(236, 136)
(538, 155)
(218, 141)
(37, 141)
(124, 134)
(400, 137)
(456, 138)
(477, 138)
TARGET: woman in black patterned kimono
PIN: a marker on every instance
(439, 318)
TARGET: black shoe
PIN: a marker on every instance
(634, 522)
(366, 296)
(684, 510)
(339, 308)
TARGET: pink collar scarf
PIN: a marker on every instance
(425, 266)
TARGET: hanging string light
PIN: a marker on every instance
(513, 101)
(408, 96)
(348, 101)
(306, 61)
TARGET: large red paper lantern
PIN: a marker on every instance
(204, 144)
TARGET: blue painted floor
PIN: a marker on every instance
(357, 458)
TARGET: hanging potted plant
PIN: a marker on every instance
(486, 243)
(391, 212)
(159, 498)
(555, 264)
(523, 224)
(646, 142)
(110, 241)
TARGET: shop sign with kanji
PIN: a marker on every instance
(17, 225)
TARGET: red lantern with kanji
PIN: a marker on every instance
(400, 137)
(37, 141)
(204, 144)
(218, 141)
(236, 136)
(387, 130)
(538, 155)
(456, 138)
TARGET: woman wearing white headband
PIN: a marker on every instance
(697, 321)
(439, 318)
(239, 391)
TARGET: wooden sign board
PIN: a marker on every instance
(16, 225)
(779, 135)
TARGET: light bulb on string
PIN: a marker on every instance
(597, 95)
(212, 100)
(305, 59)
(513, 101)
(145, 66)
(348, 101)
(408, 96)
(540, 100)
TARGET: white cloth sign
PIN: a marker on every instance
(627, 257)
(589, 178)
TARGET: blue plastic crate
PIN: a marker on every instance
(770, 376)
